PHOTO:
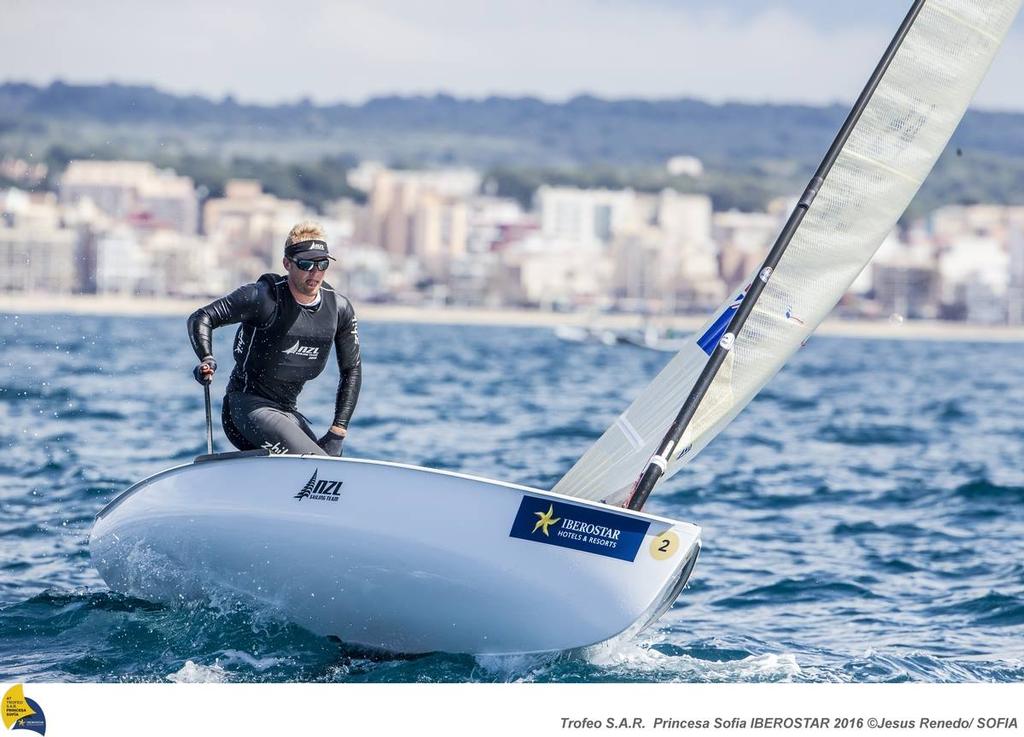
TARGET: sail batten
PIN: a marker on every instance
(873, 172)
(885, 167)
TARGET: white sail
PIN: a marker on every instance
(905, 126)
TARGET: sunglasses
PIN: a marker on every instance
(308, 264)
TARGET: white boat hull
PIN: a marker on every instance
(395, 557)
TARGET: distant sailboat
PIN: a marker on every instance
(665, 340)
(580, 334)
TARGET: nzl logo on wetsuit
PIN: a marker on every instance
(308, 351)
(320, 489)
(580, 528)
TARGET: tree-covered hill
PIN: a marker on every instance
(751, 151)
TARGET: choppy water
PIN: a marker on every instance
(863, 518)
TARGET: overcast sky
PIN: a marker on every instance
(752, 50)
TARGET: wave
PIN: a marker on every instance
(794, 591)
(18, 394)
(992, 609)
(905, 666)
(985, 490)
(901, 530)
(873, 435)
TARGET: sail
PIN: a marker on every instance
(894, 145)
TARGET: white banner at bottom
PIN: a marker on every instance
(56, 710)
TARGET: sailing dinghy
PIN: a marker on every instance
(412, 560)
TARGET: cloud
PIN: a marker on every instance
(270, 51)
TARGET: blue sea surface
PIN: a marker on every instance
(863, 518)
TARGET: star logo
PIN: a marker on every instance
(545, 520)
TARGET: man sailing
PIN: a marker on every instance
(287, 326)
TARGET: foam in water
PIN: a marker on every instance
(195, 673)
(638, 659)
(232, 657)
(627, 658)
(518, 668)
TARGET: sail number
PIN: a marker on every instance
(665, 545)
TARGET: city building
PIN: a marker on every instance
(743, 240)
(423, 213)
(130, 262)
(691, 256)
(639, 277)
(439, 231)
(124, 189)
(975, 274)
(252, 226)
(22, 173)
(685, 166)
(490, 220)
(952, 222)
(902, 279)
(553, 274)
(37, 253)
(588, 217)
(1015, 292)
(363, 274)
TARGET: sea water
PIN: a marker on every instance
(863, 518)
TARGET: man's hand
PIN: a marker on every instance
(331, 442)
(203, 373)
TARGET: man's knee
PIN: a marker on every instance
(278, 432)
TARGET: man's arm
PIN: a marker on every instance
(250, 303)
(346, 345)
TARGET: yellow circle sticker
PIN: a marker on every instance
(665, 545)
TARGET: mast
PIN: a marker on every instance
(658, 463)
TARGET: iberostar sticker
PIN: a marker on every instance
(545, 520)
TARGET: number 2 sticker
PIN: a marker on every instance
(665, 545)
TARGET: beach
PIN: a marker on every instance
(440, 315)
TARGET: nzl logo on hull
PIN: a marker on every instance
(305, 351)
(320, 489)
(580, 528)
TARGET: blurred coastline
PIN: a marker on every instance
(441, 315)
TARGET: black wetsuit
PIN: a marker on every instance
(279, 346)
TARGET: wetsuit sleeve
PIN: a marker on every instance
(346, 345)
(250, 303)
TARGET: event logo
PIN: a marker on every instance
(20, 712)
(580, 528)
(320, 489)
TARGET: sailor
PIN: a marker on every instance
(287, 326)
